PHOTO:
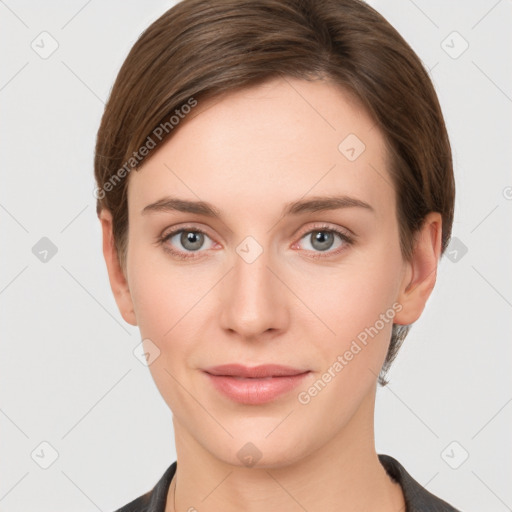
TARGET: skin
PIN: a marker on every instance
(249, 153)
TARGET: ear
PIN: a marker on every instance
(118, 281)
(421, 272)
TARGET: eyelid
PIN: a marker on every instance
(320, 226)
(185, 227)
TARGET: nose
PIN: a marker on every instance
(254, 301)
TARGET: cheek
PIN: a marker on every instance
(162, 291)
(354, 295)
(164, 298)
(356, 302)
(170, 302)
(358, 307)
(154, 302)
(154, 291)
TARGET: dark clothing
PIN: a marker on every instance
(417, 498)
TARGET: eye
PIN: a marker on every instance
(324, 238)
(188, 241)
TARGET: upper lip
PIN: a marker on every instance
(261, 371)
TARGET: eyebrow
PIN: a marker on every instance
(310, 205)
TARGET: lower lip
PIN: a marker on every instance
(255, 391)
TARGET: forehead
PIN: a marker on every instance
(268, 145)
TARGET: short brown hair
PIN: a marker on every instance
(199, 49)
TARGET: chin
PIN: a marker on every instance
(258, 446)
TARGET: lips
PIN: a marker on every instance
(254, 385)
(262, 371)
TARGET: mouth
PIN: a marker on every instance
(254, 385)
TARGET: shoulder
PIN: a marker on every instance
(417, 498)
(139, 504)
(153, 500)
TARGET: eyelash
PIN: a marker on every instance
(348, 241)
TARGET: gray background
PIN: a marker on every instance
(69, 378)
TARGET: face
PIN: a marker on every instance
(272, 275)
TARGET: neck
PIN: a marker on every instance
(344, 474)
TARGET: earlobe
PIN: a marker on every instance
(420, 273)
(118, 281)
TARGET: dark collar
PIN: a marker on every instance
(417, 498)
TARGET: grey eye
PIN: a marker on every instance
(191, 240)
(321, 240)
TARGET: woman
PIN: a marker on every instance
(292, 195)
